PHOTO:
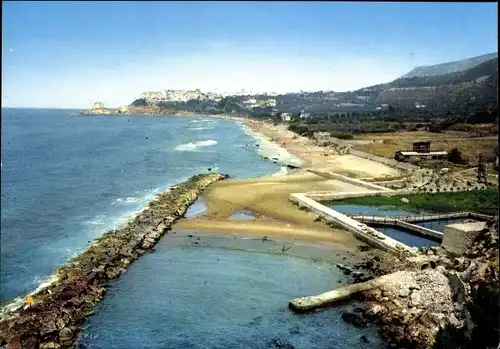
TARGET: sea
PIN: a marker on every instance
(66, 179)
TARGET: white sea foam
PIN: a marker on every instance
(126, 201)
(41, 282)
(200, 128)
(143, 196)
(270, 149)
(282, 172)
(193, 146)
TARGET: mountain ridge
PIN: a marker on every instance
(469, 89)
(449, 67)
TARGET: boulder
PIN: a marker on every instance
(374, 309)
(66, 334)
(354, 319)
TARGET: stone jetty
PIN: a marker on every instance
(436, 299)
(53, 317)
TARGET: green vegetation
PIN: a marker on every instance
(479, 201)
(141, 102)
(341, 135)
(455, 156)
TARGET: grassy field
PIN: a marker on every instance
(479, 201)
(410, 135)
(469, 147)
(456, 131)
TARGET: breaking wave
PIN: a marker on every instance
(196, 145)
(201, 128)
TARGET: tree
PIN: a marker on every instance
(455, 156)
(141, 102)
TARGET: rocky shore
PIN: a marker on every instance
(131, 110)
(52, 319)
(439, 300)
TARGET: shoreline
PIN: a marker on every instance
(55, 313)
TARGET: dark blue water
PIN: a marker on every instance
(396, 233)
(439, 225)
(365, 210)
(406, 237)
(66, 179)
(199, 297)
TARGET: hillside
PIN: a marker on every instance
(478, 84)
(467, 85)
(450, 67)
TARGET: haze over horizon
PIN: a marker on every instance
(71, 54)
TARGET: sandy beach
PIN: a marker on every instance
(268, 198)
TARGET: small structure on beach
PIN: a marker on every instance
(421, 150)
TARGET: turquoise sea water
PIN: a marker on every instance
(208, 296)
(67, 179)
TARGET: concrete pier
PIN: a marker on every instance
(423, 231)
(304, 304)
(333, 195)
(410, 218)
(359, 182)
(360, 230)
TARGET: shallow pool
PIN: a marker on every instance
(405, 236)
(397, 233)
(199, 295)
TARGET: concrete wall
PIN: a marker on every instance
(412, 218)
(360, 230)
(333, 175)
(426, 232)
(332, 195)
(361, 154)
(389, 162)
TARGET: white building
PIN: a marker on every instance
(285, 117)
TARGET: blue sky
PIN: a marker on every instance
(70, 54)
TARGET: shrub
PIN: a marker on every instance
(341, 135)
(461, 127)
(455, 156)
(141, 102)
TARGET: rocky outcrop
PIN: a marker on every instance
(427, 181)
(438, 298)
(52, 319)
(99, 109)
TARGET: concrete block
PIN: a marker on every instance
(457, 238)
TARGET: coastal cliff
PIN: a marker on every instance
(53, 314)
(99, 109)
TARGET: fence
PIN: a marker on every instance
(419, 217)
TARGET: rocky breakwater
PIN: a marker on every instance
(440, 300)
(53, 318)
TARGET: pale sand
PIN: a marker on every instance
(314, 155)
(320, 233)
(268, 198)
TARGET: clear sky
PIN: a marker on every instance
(71, 54)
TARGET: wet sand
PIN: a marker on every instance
(316, 156)
(268, 198)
